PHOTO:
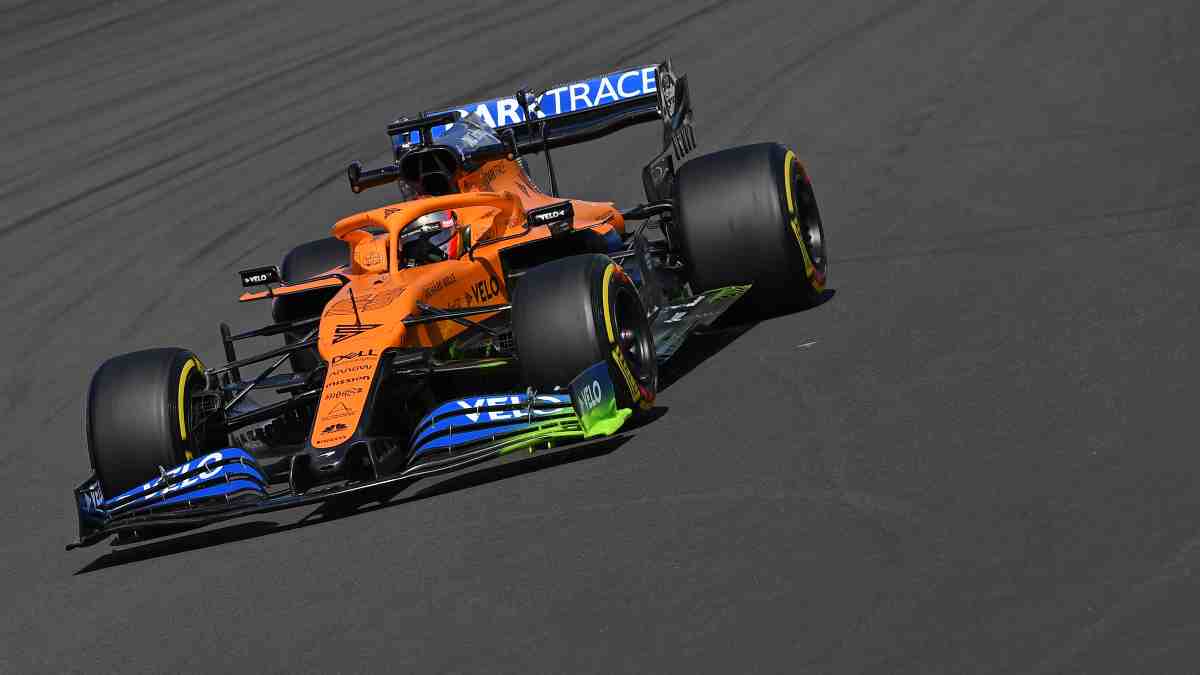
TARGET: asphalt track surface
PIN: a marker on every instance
(978, 456)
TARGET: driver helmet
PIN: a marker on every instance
(436, 246)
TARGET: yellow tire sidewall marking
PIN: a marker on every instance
(634, 391)
(608, 272)
(790, 160)
(188, 366)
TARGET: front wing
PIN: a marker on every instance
(230, 483)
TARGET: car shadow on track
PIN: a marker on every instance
(365, 503)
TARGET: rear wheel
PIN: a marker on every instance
(140, 416)
(304, 262)
(748, 215)
(572, 313)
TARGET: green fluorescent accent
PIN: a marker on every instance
(609, 424)
(528, 439)
(727, 292)
(569, 427)
(596, 402)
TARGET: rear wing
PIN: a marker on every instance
(574, 113)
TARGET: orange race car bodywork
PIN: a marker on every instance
(452, 315)
(398, 338)
(354, 332)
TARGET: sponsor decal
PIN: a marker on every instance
(387, 213)
(348, 380)
(360, 354)
(482, 291)
(344, 393)
(202, 465)
(496, 401)
(372, 258)
(351, 330)
(439, 285)
(592, 93)
(259, 276)
(595, 401)
(590, 396)
(339, 410)
(334, 427)
(346, 370)
(558, 217)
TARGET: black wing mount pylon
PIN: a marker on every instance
(675, 110)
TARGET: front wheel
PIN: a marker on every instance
(574, 312)
(141, 415)
(748, 215)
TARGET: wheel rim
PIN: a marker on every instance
(809, 216)
(633, 336)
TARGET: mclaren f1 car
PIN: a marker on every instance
(480, 315)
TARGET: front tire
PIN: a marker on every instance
(138, 416)
(748, 215)
(571, 313)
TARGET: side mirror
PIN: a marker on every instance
(361, 179)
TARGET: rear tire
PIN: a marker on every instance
(138, 416)
(748, 215)
(571, 313)
(304, 262)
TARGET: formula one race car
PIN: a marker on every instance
(477, 317)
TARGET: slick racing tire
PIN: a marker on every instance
(748, 215)
(138, 416)
(301, 263)
(574, 312)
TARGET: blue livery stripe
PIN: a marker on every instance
(464, 413)
(223, 475)
(472, 436)
(584, 95)
(220, 490)
(212, 465)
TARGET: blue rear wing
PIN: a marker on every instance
(605, 90)
(567, 114)
(574, 112)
